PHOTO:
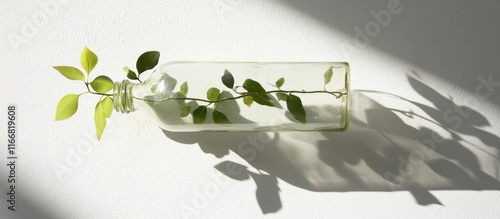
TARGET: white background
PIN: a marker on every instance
(432, 53)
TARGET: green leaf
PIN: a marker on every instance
(70, 72)
(147, 61)
(248, 100)
(184, 110)
(184, 88)
(280, 82)
(199, 114)
(282, 96)
(227, 79)
(213, 94)
(99, 119)
(253, 86)
(88, 60)
(220, 118)
(107, 106)
(103, 110)
(263, 99)
(294, 105)
(328, 75)
(130, 74)
(257, 92)
(67, 106)
(102, 84)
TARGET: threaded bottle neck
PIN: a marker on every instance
(122, 97)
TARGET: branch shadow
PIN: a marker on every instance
(385, 149)
(453, 117)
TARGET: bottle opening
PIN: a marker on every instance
(122, 97)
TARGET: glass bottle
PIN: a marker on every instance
(201, 96)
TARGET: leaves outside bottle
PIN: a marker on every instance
(130, 74)
(70, 72)
(67, 106)
(88, 59)
(101, 85)
(147, 61)
(103, 110)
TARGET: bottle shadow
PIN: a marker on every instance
(385, 149)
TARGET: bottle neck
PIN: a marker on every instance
(122, 97)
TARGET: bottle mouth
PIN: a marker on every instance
(122, 97)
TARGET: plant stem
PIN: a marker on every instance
(90, 92)
(195, 99)
(107, 95)
(244, 94)
(336, 94)
(87, 86)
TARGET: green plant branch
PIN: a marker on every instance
(244, 94)
(195, 99)
(100, 86)
(91, 92)
(106, 95)
(336, 94)
(87, 86)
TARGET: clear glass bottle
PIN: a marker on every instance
(304, 102)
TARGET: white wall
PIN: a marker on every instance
(433, 54)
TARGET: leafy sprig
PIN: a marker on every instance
(100, 86)
(146, 61)
(254, 92)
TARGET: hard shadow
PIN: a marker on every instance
(386, 148)
(453, 117)
(456, 41)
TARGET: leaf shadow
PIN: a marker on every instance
(453, 117)
(385, 149)
(267, 192)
